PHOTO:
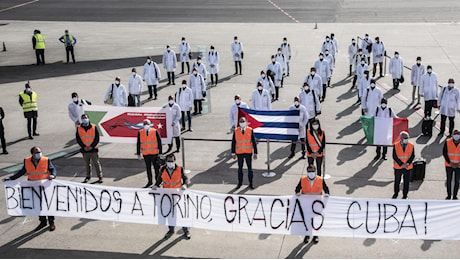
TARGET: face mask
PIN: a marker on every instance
(372, 85)
(326, 52)
(170, 165)
(284, 42)
(273, 60)
(184, 86)
(418, 62)
(360, 53)
(242, 124)
(315, 127)
(405, 141)
(353, 42)
(384, 105)
(146, 127)
(237, 101)
(320, 57)
(38, 156)
(450, 85)
(168, 49)
(306, 88)
(198, 61)
(366, 37)
(296, 103)
(85, 121)
(279, 52)
(149, 60)
(396, 55)
(212, 50)
(194, 73)
(362, 62)
(260, 88)
(429, 70)
(311, 175)
(75, 99)
(327, 39)
(134, 73)
(117, 82)
(456, 137)
(263, 76)
(236, 41)
(171, 102)
(313, 73)
(183, 41)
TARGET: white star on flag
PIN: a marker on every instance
(160, 126)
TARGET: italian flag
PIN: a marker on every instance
(383, 130)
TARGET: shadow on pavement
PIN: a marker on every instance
(299, 251)
(83, 222)
(349, 130)
(351, 153)
(347, 111)
(433, 150)
(347, 95)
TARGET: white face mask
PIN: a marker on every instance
(194, 73)
(171, 102)
(306, 88)
(429, 70)
(326, 53)
(362, 62)
(242, 124)
(134, 73)
(85, 121)
(75, 99)
(237, 101)
(28, 90)
(456, 137)
(360, 53)
(168, 49)
(273, 60)
(384, 105)
(353, 42)
(366, 37)
(313, 73)
(149, 60)
(419, 62)
(170, 165)
(372, 85)
(198, 61)
(236, 41)
(296, 103)
(327, 39)
(260, 88)
(315, 127)
(146, 127)
(183, 41)
(450, 85)
(405, 141)
(184, 86)
(311, 175)
(38, 156)
(279, 52)
(321, 57)
(263, 76)
(117, 82)
(396, 55)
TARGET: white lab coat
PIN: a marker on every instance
(371, 99)
(364, 44)
(311, 103)
(282, 60)
(120, 97)
(201, 70)
(234, 113)
(151, 73)
(237, 49)
(329, 58)
(360, 70)
(352, 51)
(169, 61)
(184, 98)
(261, 101)
(358, 58)
(336, 46)
(184, 50)
(416, 74)
(76, 110)
(363, 84)
(176, 116)
(329, 46)
(385, 112)
(278, 70)
(396, 67)
(449, 101)
(267, 83)
(429, 87)
(197, 85)
(315, 83)
(213, 60)
(135, 84)
(286, 50)
(303, 119)
(323, 69)
(378, 52)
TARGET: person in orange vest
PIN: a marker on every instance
(451, 153)
(173, 177)
(312, 184)
(316, 143)
(403, 156)
(88, 138)
(37, 167)
(149, 145)
(244, 147)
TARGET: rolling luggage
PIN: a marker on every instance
(418, 171)
(427, 127)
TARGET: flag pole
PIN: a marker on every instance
(268, 173)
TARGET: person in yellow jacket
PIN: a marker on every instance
(312, 184)
(38, 44)
(69, 41)
(172, 177)
(37, 167)
(244, 146)
(451, 153)
(403, 156)
(149, 146)
(28, 101)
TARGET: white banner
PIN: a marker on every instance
(121, 124)
(292, 215)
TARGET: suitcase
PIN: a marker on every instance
(418, 172)
(131, 101)
(427, 127)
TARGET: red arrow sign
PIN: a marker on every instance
(128, 124)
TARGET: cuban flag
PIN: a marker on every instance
(272, 124)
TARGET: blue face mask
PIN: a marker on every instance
(38, 156)
(85, 121)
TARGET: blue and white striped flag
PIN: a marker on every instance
(272, 124)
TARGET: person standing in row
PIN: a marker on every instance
(363, 84)
(200, 68)
(267, 83)
(371, 99)
(416, 74)
(366, 46)
(69, 42)
(281, 59)
(38, 44)
(310, 100)
(260, 98)
(335, 42)
(383, 111)
(213, 60)
(2, 131)
(169, 64)
(451, 153)
(429, 89)
(151, 75)
(352, 51)
(149, 145)
(28, 101)
(185, 54)
(196, 83)
(237, 52)
(275, 72)
(403, 156)
(234, 112)
(448, 104)
(315, 82)
(117, 92)
(324, 70)
(378, 56)
(328, 45)
(88, 139)
(76, 108)
(360, 66)
(396, 69)
(286, 50)
(37, 167)
(303, 120)
(330, 59)
(135, 86)
(184, 98)
(244, 147)
(176, 115)
(316, 143)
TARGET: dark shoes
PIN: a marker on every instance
(251, 186)
(86, 180)
(448, 198)
(384, 157)
(168, 235)
(5, 152)
(315, 239)
(40, 226)
(100, 180)
(306, 239)
(376, 157)
(187, 235)
(36, 134)
(52, 227)
(148, 185)
(238, 186)
(394, 196)
(30, 137)
(291, 156)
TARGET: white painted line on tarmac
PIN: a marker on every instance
(19, 5)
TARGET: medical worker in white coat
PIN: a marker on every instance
(237, 52)
(315, 82)
(449, 104)
(352, 51)
(196, 83)
(176, 116)
(311, 102)
(378, 56)
(275, 72)
(366, 42)
(151, 75)
(119, 94)
(260, 98)
(303, 120)
(201, 68)
(267, 83)
(363, 84)
(169, 64)
(185, 54)
(358, 61)
(234, 112)
(324, 71)
(371, 99)
(429, 89)
(416, 73)
(396, 69)
(184, 98)
(286, 49)
(213, 60)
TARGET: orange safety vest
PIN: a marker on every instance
(243, 142)
(315, 189)
(313, 144)
(453, 152)
(149, 143)
(37, 173)
(87, 137)
(403, 155)
(173, 181)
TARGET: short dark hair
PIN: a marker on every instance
(171, 155)
(33, 149)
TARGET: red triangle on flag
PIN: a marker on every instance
(252, 122)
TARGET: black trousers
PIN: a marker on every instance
(385, 149)
(197, 105)
(43, 219)
(182, 66)
(212, 78)
(177, 144)
(151, 159)
(449, 172)
(319, 163)
(406, 175)
(429, 104)
(248, 158)
(152, 91)
(375, 69)
(451, 124)
(171, 77)
(69, 50)
(302, 145)
(2, 136)
(189, 119)
(277, 92)
(238, 64)
(324, 91)
(31, 122)
(40, 55)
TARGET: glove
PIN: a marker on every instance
(183, 187)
